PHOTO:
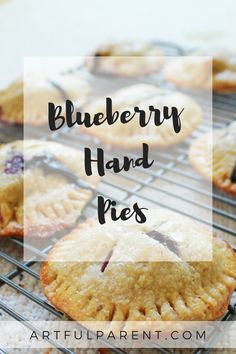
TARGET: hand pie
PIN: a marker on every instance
(38, 91)
(141, 291)
(224, 74)
(128, 59)
(132, 135)
(190, 72)
(48, 197)
(203, 73)
(214, 156)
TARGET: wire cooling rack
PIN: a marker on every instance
(172, 167)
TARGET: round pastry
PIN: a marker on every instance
(225, 81)
(128, 59)
(141, 291)
(214, 156)
(131, 134)
(224, 72)
(50, 188)
(35, 94)
(204, 73)
(190, 72)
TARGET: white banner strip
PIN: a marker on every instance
(47, 334)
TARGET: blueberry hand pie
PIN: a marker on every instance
(224, 74)
(51, 193)
(128, 59)
(204, 73)
(143, 96)
(117, 288)
(38, 91)
(214, 156)
(190, 72)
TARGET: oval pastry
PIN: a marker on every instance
(132, 135)
(34, 97)
(141, 291)
(190, 72)
(214, 156)
(49, 196)
(128, 59)
(201, 72)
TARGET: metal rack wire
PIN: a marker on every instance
(135, 185)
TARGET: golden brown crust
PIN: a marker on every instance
(52, 202)
(127, 59)
(12, 230)
(214, 157)
(197, 72)
(35, 93)
(11, 104)
(225, 82)
(140, 291)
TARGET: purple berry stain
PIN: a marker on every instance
(106, 261)
(15, 164)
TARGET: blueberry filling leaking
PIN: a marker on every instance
(233, 175)
(50, 164)
(106, 262)
(15, 164)
(47, 162)
(171, 244)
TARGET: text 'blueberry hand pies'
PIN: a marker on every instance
(128, 59)
(48, 196)
(142, 96)
(35, 95)
(214, 156)
(112, 290)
